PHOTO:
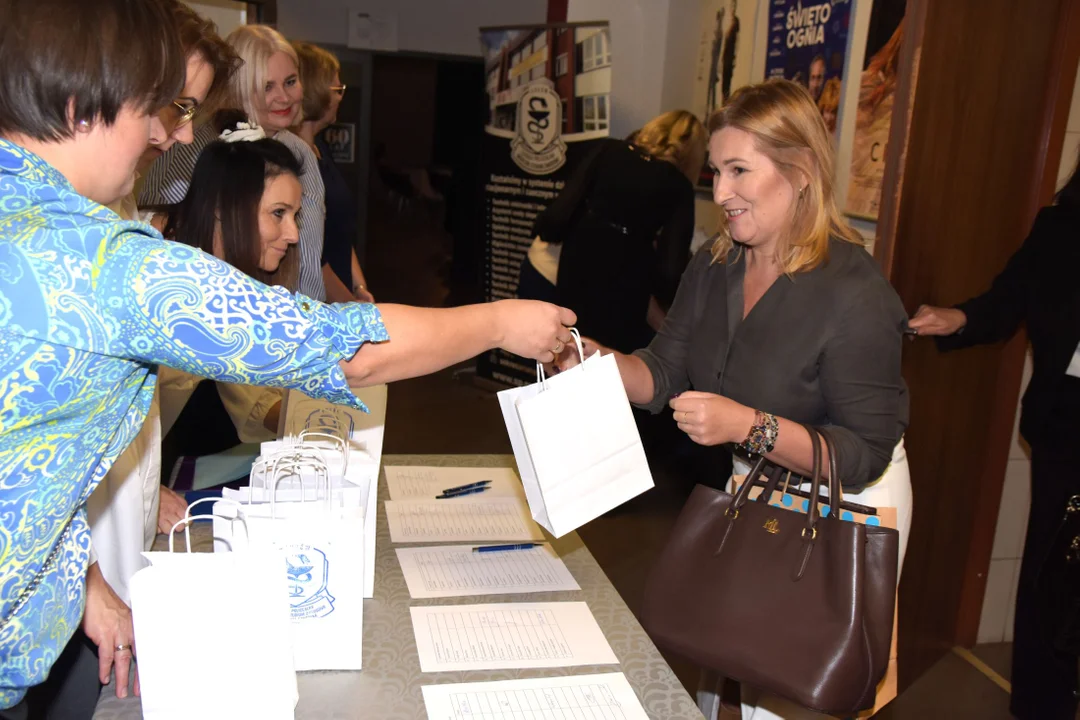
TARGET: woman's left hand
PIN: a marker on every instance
(711, 419)
(171, 509)
(107, 622)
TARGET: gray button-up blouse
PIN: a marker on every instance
(821, 347)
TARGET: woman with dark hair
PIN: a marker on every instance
(80, 336)
(242, 207)
(1037, 288)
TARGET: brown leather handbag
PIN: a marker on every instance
(797, 605)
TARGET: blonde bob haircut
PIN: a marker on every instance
(317, 70)
(255, 44)
(677, 137)
(787, 127)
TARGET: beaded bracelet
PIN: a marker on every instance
(762, 436)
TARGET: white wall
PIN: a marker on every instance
(638, 49)
(226, 14)
(445, 27)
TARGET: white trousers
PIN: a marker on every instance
(892, 490)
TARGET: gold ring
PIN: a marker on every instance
(121, 648)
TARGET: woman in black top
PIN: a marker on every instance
(785, 320)
(1038, 288)
(320, 74)
(624, 224)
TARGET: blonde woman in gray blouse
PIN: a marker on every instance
(785, 320)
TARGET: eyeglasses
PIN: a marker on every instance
(339, 89)
(183, 112)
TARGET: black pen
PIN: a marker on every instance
(470, 486)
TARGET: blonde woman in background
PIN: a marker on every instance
(615, 242)
(268, 90)
(320, 73)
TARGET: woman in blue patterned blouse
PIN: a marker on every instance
(89, 305)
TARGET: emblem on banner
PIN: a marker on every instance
(538, 147)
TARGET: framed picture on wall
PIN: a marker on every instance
(808, 45)
(877, 87)
(724, 55)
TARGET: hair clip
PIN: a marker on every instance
(244, 132)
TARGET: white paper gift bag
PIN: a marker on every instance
(322, 544)
(345, 466)
(576, 444)
(242, 665)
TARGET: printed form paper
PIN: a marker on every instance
(508, 636)
(416, 521)
(455, 570)
(424, 483)
(578, 697)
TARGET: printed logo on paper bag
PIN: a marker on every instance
(308, 571)
(538, 148)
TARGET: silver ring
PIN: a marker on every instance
(121, 648)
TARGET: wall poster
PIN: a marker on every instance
(877, 88)
(549, 103)
(725, 53)
(808, 44)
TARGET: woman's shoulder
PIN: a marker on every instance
(851, 272)
(293, 141)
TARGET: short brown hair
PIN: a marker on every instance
(788, 129)
(99, 56)
(317, 70)
(199, 35)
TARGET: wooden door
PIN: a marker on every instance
(977, 131)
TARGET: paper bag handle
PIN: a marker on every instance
(188, 519)
(289, 456)
(318, 466)
(541, 376)
(341, 442)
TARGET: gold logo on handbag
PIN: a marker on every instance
(772, 526)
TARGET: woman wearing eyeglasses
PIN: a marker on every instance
(320, 74)
(124, 509)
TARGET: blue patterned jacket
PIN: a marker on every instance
(89, 305)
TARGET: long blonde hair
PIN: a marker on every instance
(677, 137)
(255, 44)
(788, 129)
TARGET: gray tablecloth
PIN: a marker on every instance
(389, 685)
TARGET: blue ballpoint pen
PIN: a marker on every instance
(447, 496)
(501, 548)
(470, 486)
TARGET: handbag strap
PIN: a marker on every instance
(836, 494)
(813, 512)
